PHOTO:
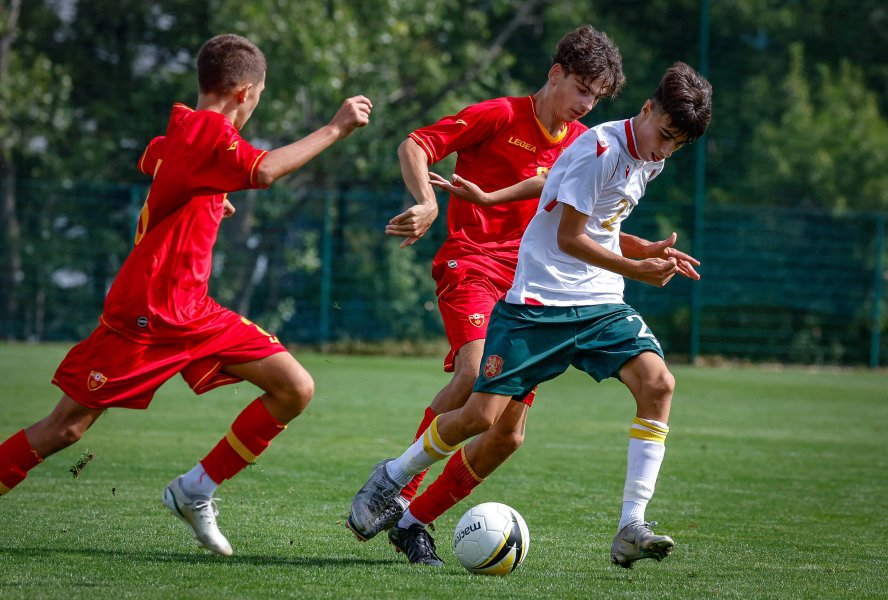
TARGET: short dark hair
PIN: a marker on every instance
(589, 54)
(686, 97)
(226, 61)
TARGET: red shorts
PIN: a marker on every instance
(108, 370)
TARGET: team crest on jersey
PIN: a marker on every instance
(493, 366)
(476, 319)
(95, 380)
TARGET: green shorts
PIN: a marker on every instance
(527, 345)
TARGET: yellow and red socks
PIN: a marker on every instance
(456, 481)
(423, 453)
(647, 446)
(250, 434)
(17, 457)
(410, 489)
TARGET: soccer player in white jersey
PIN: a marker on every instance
(566, 305)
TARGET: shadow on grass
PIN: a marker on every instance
(196, 558)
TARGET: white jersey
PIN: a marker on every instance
(600, 175)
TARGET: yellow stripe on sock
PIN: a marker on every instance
(648, 425)
(239, 447)
(4, 489)
(646, 434)
(433, 445)
(462, 455)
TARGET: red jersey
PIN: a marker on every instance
(160, 293)
(498, 143)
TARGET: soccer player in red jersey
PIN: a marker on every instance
(158, 319)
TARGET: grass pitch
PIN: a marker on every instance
(774, 486)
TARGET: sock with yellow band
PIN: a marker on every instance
(647, 446)
(250, 434)
(410, 489)
(455, 483)
(423, 453)
(17, 457)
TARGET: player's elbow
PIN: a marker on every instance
(265, 175)
(567, 243)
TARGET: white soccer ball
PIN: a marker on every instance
(491, 539)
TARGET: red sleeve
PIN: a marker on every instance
(230, 162)
(467, 128)
(149, 158)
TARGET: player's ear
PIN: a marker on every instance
(243, 92)
(556, 73)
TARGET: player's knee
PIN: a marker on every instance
(67, 434)
(475, 422)
(295, 393)
(506, 443)
(657, 388)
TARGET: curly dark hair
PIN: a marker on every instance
(686, 97)
(226, 61)
(589, 54)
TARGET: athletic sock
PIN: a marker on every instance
(456, 481)
(17, 457)
(250, 434)
(423, 453)
(647, 445)
(197, 483)
(407, 519)
(410, 489)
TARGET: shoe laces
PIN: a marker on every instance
(423, 544)
(206, 508)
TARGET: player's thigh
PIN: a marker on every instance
(651, 383)
(280, 375)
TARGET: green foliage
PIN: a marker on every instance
(764, 490)
(828, 145)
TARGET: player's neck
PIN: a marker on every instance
(220, 104)
(544, 113)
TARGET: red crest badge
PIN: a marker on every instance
(476, 319)
(493, 366)
(95, 380)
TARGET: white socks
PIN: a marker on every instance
(196, 482)
(646, 449)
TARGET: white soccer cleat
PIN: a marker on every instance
(199, 513)
(636, 541)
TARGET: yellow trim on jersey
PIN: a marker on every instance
(253, 168)
(239, 447)
(105, 323)
(648, 425)
(558, 137)
(425, 147)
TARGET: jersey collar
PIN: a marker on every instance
(630, 140)
(558, 137)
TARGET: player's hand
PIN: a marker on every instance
(412, 223)
(228, 209)
(354, 113)
(655, 271)
(461, 188)
(666, 249)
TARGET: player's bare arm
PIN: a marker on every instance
(354, 113)
(573, 240)
(636, 247)
(416, 220)
(460, 187)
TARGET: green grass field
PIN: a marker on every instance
(775, 485)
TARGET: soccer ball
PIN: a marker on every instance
(491, 539)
